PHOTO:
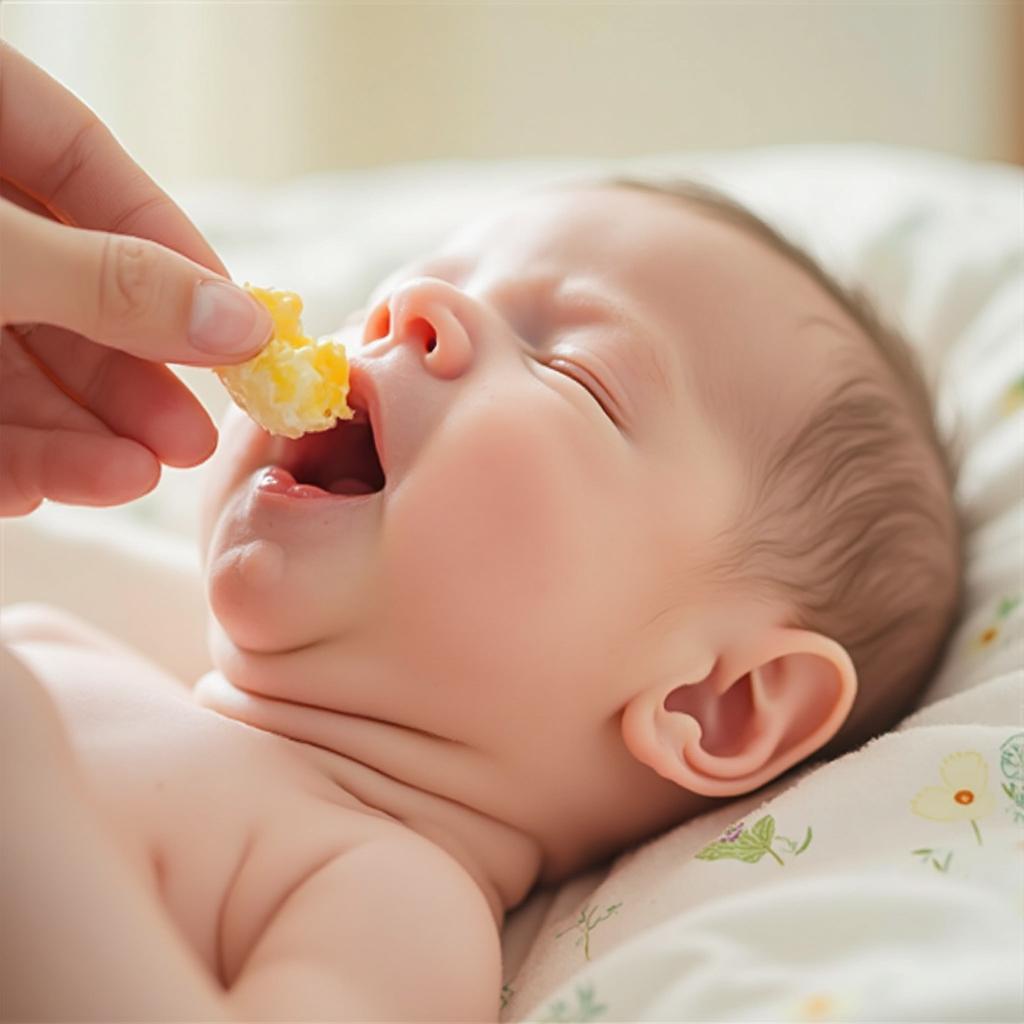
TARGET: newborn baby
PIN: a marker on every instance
(639, 509)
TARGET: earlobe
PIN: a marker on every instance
(749, 719)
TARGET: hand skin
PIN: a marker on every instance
(100, 276)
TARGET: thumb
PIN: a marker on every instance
(124, 292)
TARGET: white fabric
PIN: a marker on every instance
(852, 903)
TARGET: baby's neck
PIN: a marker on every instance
(436, 786)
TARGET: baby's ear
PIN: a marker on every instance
(755, 714)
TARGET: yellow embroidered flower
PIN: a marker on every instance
(816, 1007)
(965, 795)
(987, 636)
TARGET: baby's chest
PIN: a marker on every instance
(221, 819)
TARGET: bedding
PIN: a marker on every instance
(885, 885)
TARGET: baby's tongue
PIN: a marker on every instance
(349, 485)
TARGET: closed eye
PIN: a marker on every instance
(587, 381)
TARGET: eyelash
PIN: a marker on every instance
(575, 376)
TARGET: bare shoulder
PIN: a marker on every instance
(49, 627)
(37, 621)
(395, 902)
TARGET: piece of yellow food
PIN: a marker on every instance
(296, 385)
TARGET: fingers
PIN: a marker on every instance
(16, 196)
(142, 401)
(56, 150)
(127, 293)
(71, 467)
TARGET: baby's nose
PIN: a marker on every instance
(427, 314)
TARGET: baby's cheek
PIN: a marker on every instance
(482, 539)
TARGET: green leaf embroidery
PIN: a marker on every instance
(930, 856)
(749, 845)
(1011, 764)
(1011, 758)
(764, 829)
(806, 842)
(586, 1008)
(738, 850)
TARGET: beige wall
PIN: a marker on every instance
(265, 91)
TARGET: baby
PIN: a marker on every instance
(639, 510)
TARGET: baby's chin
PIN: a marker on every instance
(251, 604)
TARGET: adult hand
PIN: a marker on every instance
(103, 279)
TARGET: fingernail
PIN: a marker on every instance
(225, 320)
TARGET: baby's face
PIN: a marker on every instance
(553, 476)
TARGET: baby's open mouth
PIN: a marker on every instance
(342, 460)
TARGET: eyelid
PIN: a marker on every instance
(595, 388)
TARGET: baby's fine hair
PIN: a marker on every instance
(850, 515)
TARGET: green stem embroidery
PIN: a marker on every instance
(586, 924)
(806, 842)
(977, 831)
(776, 856)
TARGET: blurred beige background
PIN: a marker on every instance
(265, 91)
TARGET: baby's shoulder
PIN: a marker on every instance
(37, 621)
(55, 629)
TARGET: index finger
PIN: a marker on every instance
(56, 150)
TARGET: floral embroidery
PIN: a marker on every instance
(1013, 397)
(585, 1010)
(585, 923)
(990, 633)
(1011, 764)
(928, 855)
(751, 844)
(964, 795)
(822, 1006)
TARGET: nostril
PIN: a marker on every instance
(418, 329)
(422, 331)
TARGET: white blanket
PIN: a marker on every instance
(886, 885)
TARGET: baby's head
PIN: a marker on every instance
(664, 514)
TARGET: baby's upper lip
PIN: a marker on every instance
(364, 398)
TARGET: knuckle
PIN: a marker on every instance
(128, 279)
(74, 158)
